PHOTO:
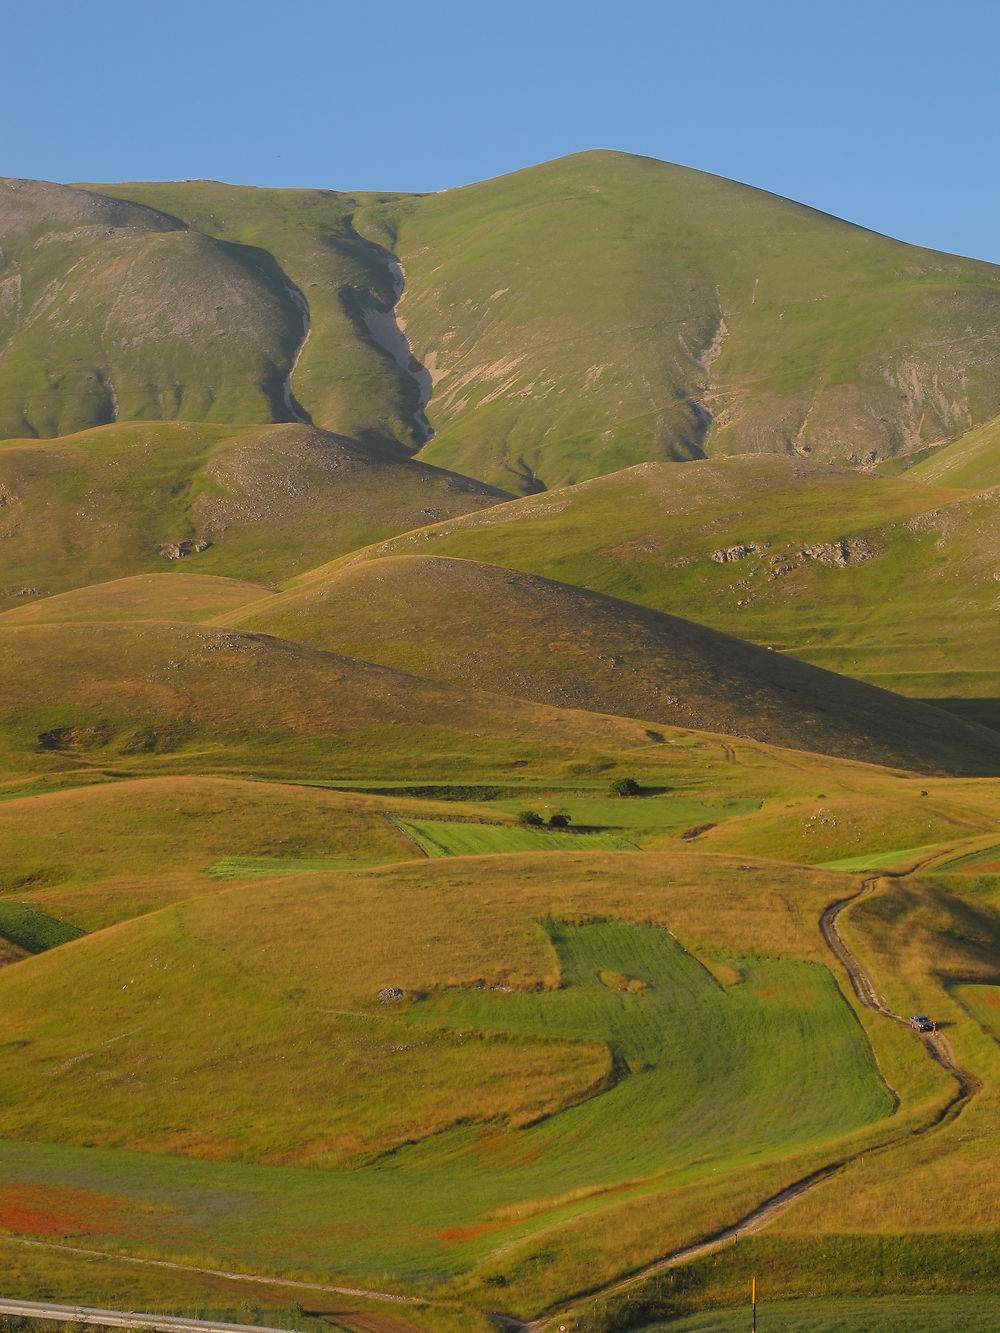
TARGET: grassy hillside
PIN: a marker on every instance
(330, 949)
(258, 503)
(174, 596)
(154, 697)
(94, 855)
(879, 578)
(110, 311)
(605, 310)
(575, 318)
(972, 462)
(302, 962)
(478, 625)
(342, 378)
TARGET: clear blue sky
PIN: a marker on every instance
(886, 113)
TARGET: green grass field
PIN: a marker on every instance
(890, 1314)
(881, 860)
(672, 1105)
(261, 867)
(447, 838)
(23, 925)
(645, 813)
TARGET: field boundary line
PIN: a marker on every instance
(296, 1284)
(87, 1314)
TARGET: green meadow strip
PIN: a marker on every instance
(447, 838)
(31, 930)
(879, 860)
(258, 867)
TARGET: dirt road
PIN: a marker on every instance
(938, 1048)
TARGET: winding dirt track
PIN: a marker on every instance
(294, 1284)
(935, 1043)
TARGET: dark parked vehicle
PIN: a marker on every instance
(921, 1023)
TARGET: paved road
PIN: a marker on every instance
(85, 1314)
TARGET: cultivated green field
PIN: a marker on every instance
(22, 925)
(446, 838)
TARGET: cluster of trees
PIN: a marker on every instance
(532, 819)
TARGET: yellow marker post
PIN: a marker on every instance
(753, 1302)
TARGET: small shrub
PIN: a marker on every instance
(531, 818)
(559, 821)
(624, 787)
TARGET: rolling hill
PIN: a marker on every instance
(258, 503)
(114, 311)
(487, 628)
(156, 696)
(884, 579)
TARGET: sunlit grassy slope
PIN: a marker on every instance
(603, 310)
(879, 578)
(157, 696)
(112, 310)
(393, 1036)
(174, 596)
(341, 378)
(534, 999)
(263, 502)
(973, 461)
(95, 855)
(478, 625)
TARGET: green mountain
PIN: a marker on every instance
(556, 324)
(262, 503)
(605, 310)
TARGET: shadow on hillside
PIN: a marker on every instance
(984, 711)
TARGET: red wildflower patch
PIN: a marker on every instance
(50, 1210)
(455, 1235)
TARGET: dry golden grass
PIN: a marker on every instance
(479, 626)
(178, 595)
(835, 823)
(279, 982)
(100, 854)
(923, 944)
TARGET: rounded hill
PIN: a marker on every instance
(488, 628)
